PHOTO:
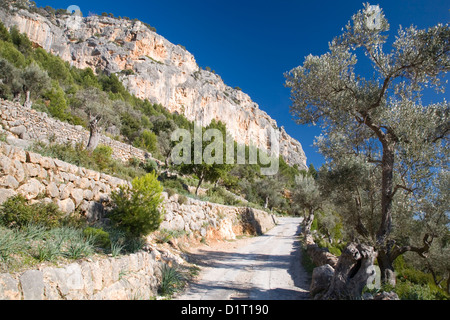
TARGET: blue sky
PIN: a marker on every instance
(251, 44)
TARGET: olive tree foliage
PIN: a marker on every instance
(307, 198)
(95, 107)
(351, 185)
(435, 212)
(31, 81)
(400, 143)
(11, 84)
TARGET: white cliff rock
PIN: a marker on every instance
(159, 71)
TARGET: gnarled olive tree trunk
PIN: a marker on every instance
(94, 137)
(353, 272)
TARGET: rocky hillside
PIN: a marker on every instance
(153, 68)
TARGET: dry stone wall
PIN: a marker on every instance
(74, 188)
(136, 276)
(205, 217)
(24, 126)
(51, 180)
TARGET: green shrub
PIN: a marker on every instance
(16, 212)
(10, 243)
(182, 199)
(174, 184)
(100, 236)
(147, 141)
(220, 195)
(4, 33)
(134, 162)
(150, 166)
(172, 279)
(136, 209)
(416, 276)
(102, 156)
(170, 192)
(79, 249)
(49, 251)
(14, 56)
(57, 106)
(411, 291)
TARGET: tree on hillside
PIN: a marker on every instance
(270, 190)
(94, 106)
(35, 81)
(208, 170)
(307, 197)
(382, 121)
(10, 81)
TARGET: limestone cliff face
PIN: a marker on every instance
(159, 71)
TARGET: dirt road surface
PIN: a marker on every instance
(260, 268)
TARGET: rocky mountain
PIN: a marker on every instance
(152, 68)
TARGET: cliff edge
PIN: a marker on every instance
(152, 68)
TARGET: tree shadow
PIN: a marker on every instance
(253, 262)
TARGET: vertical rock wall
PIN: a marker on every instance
(157, 70)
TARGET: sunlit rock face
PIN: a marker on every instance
(153, 68)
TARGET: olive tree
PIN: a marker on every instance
(307, 197)
(34, 80)
(382, 119)
(96, 107)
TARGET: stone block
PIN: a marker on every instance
(19, 131)
(9, 182)
(66, 206)
(88, 195)
(61, 165)
(95, 211)
(9, 288)
(32, 283)
(31, 189)
(77, 196)
(88, 283)
(6, 165)
(19, 172)
(47, 163)
(23, 144)
(17, 153)
(74, 278)
(65, 191)
(32, 169)
(97, 278)
(5, 194)
(33, 158)
(53, 190)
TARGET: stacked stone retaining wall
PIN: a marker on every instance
(25, 126)
(77, 189)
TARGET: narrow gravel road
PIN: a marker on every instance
(260, 268)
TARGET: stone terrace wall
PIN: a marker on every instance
(75, 188)
(136, 276)
(51, 180)
(26, 125)
(206, 217)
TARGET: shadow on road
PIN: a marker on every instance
(254, 262)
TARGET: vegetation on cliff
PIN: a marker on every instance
(78, 96)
